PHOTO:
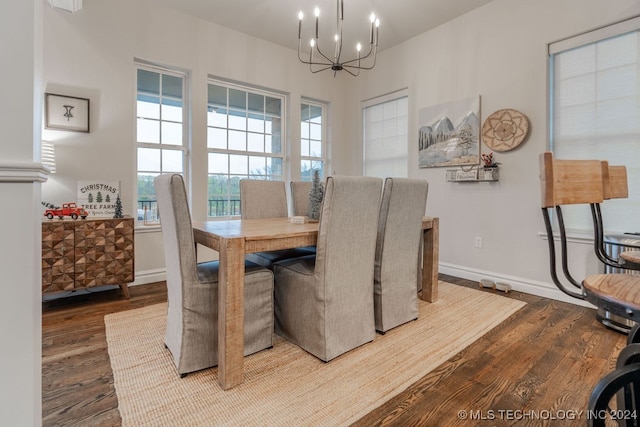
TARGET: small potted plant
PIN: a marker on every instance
(490, 166)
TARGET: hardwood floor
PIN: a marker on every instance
(539, 364)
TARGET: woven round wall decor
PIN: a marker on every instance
(505, 129)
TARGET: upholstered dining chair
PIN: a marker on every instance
(192, 289)
(263, 199)
(266, 199)
(575, 182)
(324, 302)
(397, 249)
(300, 203)
(300, 197)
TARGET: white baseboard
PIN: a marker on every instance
(543, 289)
(149, 276)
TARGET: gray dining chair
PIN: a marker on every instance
(300, 202)
(397, 249)
(300, 197)
(324, 302)
(266, 199)
(192, 289)
(263, 199)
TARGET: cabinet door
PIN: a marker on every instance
(57, 256)
(104, 252)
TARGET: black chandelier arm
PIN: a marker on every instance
(299, 57)
(349, 71)
(362, 58)
(311, 64)
(317, 46)
(329, 65)
(359, 67)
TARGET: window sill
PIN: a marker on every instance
(151, 228)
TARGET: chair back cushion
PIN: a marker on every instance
(263, 199)
(177, 231)
(397, 249)
(346, 250)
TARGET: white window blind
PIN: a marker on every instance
(595, 112)
(385, 135)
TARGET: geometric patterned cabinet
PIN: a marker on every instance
(79, 254)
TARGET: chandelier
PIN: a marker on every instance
(318, 61)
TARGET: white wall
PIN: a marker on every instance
(91, 54)
(498, 51)
(20, 178)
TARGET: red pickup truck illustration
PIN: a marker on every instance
(68, 209)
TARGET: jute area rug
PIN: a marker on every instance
(285, 386)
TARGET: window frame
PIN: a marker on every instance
(581, 145)
(323, 139)
(153, 218)
(248, 89)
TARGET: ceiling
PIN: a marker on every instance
(277, 20)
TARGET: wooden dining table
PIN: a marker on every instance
(234, 238)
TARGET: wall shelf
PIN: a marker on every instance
(473, 175)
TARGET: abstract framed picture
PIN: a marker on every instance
(449, 134)
(68, 113)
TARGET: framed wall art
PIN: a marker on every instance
(449, 134)
(68, 113)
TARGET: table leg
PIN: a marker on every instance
(231, 313)
(430, 260)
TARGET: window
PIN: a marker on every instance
(385, 135)
(312, 140)
(595, 112)
(161, 136)
(244, 140)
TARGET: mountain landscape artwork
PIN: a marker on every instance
(449, 134)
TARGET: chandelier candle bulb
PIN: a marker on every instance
(372, 18)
